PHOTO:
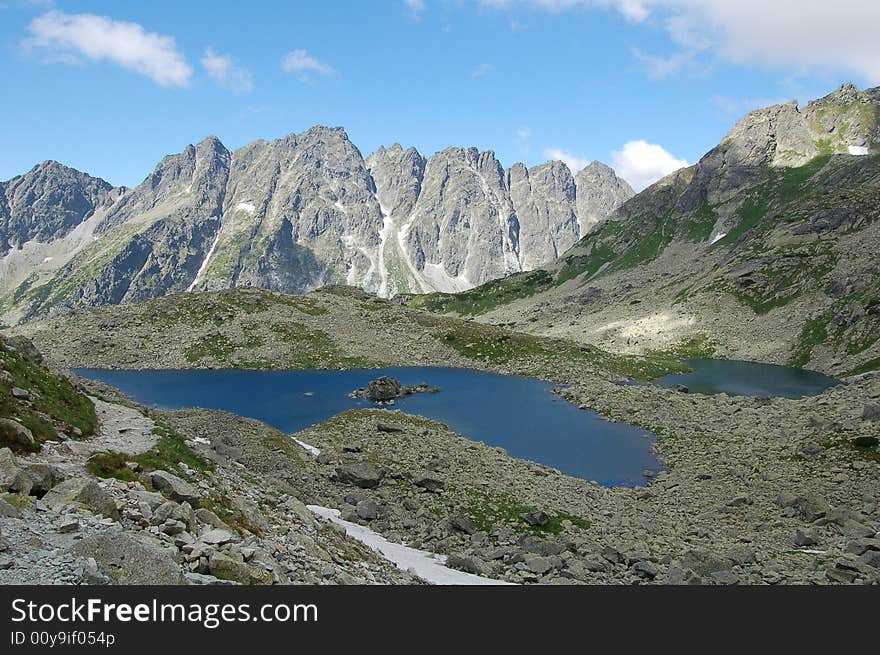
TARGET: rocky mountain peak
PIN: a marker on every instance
(47, 202)
(599, 192)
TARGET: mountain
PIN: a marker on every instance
(765, 249)
(289, 215)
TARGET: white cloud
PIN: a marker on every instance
(415, 6)
(793, 34)
(729, 106)
(659, 67)
(226, 72)
(798, 36)
(523, 134)
(103, 39)
(634, 10)
(481, 70)
(574, 162)
(301, 62)
(641, 163)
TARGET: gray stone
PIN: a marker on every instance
(536, 518)
(388, 428)
(218, 537)
(805, 538)
(83, 492)
(12, 476)
(225, 567)
(871, 413)
(129, 559)
(645, 569)
(367, 509)
(462, 523)
(21, 394)
(362, 474)
(463, 563)
(538, 564)
(68, 525)
(173, 487)
(428, 483)
(19, 433)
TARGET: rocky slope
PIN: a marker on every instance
(763, 250)
(758, 491)
(289, 215)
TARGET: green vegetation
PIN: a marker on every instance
(167, 455)
(55, 405)
(697, 347)
(587, 265)
(310, 348)
(814, 333)
(488, 511)
(215, 346)
(865, 367)
(486, 297)
(495, 345)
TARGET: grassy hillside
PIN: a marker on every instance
(52, 405)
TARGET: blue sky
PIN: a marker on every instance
(646, 85)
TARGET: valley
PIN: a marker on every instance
(763, 251)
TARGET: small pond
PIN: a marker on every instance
(711, 376)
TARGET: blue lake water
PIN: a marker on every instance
(711, 376)
(519, 414)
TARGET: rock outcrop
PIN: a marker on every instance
(289, 215)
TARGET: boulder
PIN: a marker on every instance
(865, 441)
(388, 427)
(434, 485)
(871, 413)
(175, 488)
(218, 537)
(130, 559)
(21, 394)
(384, 389)
(361, 474)
(83, 492)
(805, 538)
(367, 509)
(536, 518)
(225, 567)
(18, 433)
(462, 524)
(463, 563)
(8, 511)
(13, 477)
(208, 518)
(44, 477)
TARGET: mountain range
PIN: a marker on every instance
(289, 215)
(766, 249)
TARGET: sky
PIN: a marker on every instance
(646, 86)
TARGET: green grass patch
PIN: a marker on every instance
(814, 333)
(486, 297)
(865, 367)
(489, 511)
(55, 404)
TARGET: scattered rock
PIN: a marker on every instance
(173, 487)
(388, 428)
(361, 474)
(19, 433)
(434, 485)
(21, 394)
(128, 559)
(83, 492)
(536, 518)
